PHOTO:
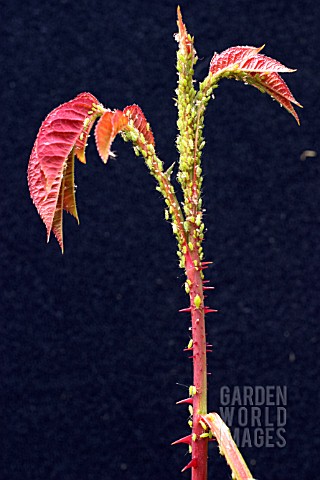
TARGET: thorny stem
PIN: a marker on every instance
(199, 356)
(191, 106)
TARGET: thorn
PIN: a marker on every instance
(209, 310)
(209, 345)
(205, 281)
(185, 400)
(208, 350)
(192, 356)
(192, 464)
(187, 439)
(206, 263)
(188, 349)
(188, 309)
(208, 288)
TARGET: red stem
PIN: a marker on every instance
(199, 445)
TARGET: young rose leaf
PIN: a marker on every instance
(51, 164)
(46, 203)
(134, 113)
(232, 57)
(109, 125)
(113, 122)
(277, 88)
(246, 64)
(59, 133)
(261, 63)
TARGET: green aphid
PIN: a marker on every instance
(197, 301)
(192, 390)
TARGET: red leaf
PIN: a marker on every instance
(134, 113)
(228, 59)
(275, 86)
(46, 203)
(59, 133)
(109, 125)
(51, 164)
(246, 64)
(261, 63)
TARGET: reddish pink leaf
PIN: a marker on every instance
(275, 83)
(277, 88)
(51, 164)
(134, 113)
(46, 203)
(109, 125)
(228, 59)
(59, 133)
(261, 63)
(246, 64)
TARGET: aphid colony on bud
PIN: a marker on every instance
(190, 143)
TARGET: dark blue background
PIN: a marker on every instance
(91, 342)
